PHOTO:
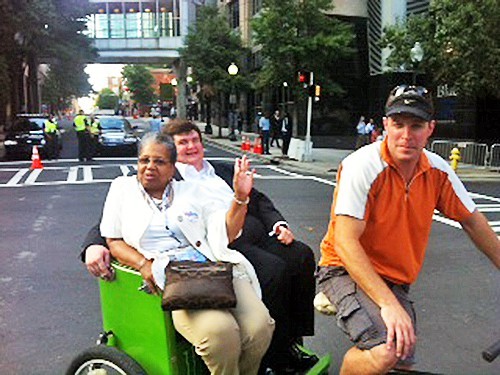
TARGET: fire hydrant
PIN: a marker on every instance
(455, 158)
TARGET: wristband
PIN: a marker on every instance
(241, 203)
(141, 263)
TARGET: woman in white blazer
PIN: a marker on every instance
(149, 219)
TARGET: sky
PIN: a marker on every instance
(99, 72)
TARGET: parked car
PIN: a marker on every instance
(117, 136)
(26, 132)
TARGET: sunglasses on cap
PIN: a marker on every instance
(415, 100)
(410, 90)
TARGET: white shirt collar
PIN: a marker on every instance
(188, 172)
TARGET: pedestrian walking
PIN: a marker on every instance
(265, 130)
(50, 131)
(361, 140)
(381, 217)
(286, 133)
(81, 123)
(276, 128)
(369, 129)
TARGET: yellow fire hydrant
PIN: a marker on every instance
(455, 158)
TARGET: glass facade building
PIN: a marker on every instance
(134, 19)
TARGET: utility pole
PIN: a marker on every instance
(308, 143)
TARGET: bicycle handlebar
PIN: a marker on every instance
(492, 352)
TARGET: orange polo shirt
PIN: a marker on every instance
(398, 216)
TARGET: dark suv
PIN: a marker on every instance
(117, 136)
(26, 132)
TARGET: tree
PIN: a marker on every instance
(461, 43)
(210, 47)
(107, 99)
(140, 82)
(299, 35)
(43, 31)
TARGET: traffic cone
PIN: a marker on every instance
(248, 144)
(244, 143)
(257, 146)
(36, 162)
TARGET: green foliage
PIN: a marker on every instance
(299, 35)
(140, 82)
(210, 48)
(51, 32)
(107, 99)
(461, 42)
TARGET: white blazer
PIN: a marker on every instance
(200, 216)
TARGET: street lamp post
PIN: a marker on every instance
(416, 56)
(233, 71)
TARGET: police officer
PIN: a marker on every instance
(50, 134)
(80, 124)
(94, 130)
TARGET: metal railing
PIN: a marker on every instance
(494, 161)
(470, 152)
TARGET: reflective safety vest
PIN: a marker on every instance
(95, 127)
(50, 126)
(80, 123)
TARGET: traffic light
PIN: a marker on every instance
(304, 77)
(317, 92)
(314, 91)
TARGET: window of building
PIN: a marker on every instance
(256, 6)
(234, 14)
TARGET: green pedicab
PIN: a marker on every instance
(139, 337)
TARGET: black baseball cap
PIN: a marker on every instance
(414, 100)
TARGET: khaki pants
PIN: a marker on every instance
(232, 341)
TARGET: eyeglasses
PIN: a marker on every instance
(156, 162)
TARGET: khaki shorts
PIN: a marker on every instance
(357, 315)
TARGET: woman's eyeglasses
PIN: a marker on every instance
(156, 162)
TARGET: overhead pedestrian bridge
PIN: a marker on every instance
(150, 32)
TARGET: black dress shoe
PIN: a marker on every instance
(300, 360)
(296, 361)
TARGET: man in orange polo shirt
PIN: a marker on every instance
(380, 223)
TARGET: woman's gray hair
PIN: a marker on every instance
(161, 139)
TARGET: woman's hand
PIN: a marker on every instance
(147, 275)
(243, 178)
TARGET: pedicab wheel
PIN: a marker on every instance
(104, 360)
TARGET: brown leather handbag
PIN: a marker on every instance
(194, 285)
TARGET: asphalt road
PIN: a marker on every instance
(49, 305)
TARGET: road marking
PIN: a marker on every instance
(125, 170)
(33, 176)
(17, 177)
(72, 175)
(87, 173)
(283, 174)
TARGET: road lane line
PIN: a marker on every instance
(72, 174)
(33, 176)
(17, 177)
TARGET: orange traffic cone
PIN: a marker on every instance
(248, 144)
(36, 162)
(257, 146)
(244, 143)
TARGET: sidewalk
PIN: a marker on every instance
(325, 161)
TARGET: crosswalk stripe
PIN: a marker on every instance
(17, 177)
(125, 170)
(87, 173)
(33, 176)
(72, 174)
